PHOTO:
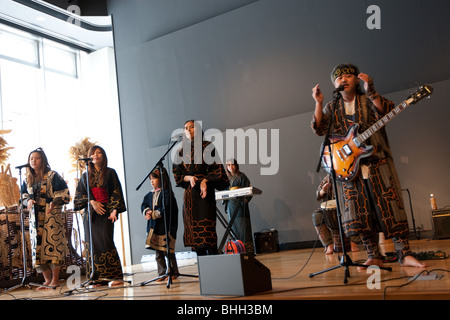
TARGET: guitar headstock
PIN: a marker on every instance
(423, 92)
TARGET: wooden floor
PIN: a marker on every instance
(290, 276)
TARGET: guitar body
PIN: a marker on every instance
(347, 151)
(346, 155)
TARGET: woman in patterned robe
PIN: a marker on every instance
(242, 226)
(44, 194)
(106, 203)
(199, 177)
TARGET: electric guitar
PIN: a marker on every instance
(347, 151)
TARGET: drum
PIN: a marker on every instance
(327, 205)
(331, 221)
(328, 209)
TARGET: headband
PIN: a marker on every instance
(344, 69)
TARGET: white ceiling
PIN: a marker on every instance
(66, 31)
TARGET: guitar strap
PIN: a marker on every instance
(364, 111)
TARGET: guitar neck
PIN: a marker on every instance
(383, 121)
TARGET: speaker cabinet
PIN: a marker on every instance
(232, 274)
(266, 241)
(441, 223)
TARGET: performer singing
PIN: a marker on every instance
(372, 201)
(155, 213)
(242, 226)
(199, 179)
(44, 194)
(106, 203)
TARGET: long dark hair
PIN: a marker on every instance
(32, 175)
(91, 167)
(233, 161)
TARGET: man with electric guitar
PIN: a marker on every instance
(358, 151)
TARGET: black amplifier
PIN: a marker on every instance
(267, 241)
(441, 223)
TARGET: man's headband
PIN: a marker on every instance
(343, 69)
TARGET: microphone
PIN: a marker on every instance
(176, 136)
(85, 159)
(340, 88)
(23, 166)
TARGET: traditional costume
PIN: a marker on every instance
(156, 229)
(372, 201)
(47, 229)
(242, 226)
(107, 265)
(199, 214)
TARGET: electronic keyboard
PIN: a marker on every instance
(236, 193)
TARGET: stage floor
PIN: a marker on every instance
(290, 272)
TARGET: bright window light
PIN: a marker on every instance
(20, 49)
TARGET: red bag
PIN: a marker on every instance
(234, 246)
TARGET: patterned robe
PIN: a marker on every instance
(156, 230)
(377, 202)
(242, 225)
(199, 215)
(107, 265)
(47, 230)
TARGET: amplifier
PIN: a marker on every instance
(441, 223)
(267, 241)
(233, 274)
(440, 212)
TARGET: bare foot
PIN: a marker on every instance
(411, 261)
(371, 262)
(329, 249)
(354, 246)
(46, 286)
(116, 284)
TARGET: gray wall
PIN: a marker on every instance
(252, 64)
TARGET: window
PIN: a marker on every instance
(40, 94)
(59, 59)
(19, 46)
(52, 96)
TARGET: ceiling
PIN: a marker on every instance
(88, 33)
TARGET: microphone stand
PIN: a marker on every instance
(25, 280)
(169, 272)
(345, 260)
(417, 235)
(89, 217)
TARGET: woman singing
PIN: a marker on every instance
(106, 203)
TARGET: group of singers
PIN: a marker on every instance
(371, 202)
(44, 193)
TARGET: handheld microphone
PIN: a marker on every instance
(340, 88)
(85, 159)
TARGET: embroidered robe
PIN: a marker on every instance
(377, 201)
(47, 229)
(156, 230)
(107, 265)
(199, 214)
